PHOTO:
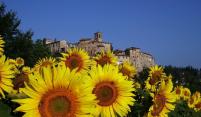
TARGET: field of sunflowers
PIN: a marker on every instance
(79, 85)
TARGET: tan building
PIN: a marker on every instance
(139, 59)
(56, 46)
(122, 56)
(91, 45)
(94, 45)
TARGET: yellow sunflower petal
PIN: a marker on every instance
(112, 90)
(49, 97)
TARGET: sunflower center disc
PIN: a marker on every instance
(125, 72)
(59, 106)
(73, 62)
(186, 93)
(106, 93)
(20, 80)
(178, 91)
(58, 103)
(155, 77)
(198, 105)
(191, 100)
(158, 105)
(104, 60)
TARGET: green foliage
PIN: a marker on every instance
(39, 51)
(142, 77)
(182, 110)
(143, 99)
(181, 76)
(4, 110)
(185, 76)
(8, 23)
(188, 77)
(19, 43)
(142, 104)
(21, 46)
(7, 108)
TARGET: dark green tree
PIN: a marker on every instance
(8, 23)
(19, 43)
(39, 51)
(21, 46)
(186, 76)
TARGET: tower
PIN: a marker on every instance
(98, 36)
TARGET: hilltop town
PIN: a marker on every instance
(96, 44)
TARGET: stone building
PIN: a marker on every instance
(56, 46)
(122, 56)
(96, 44)
(139, 59)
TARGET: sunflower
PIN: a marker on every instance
(76, 59)
(194, 99)
(19, 62)
(197, 95)
(13, 65)
(12, 62)
(26, 70)
(60, 93)
(106, 58)
(112, 90)
(197, 105)
(191, 102)
(127, 69)
(5, 76)
(186, 93)
(163, 101)
(155, 75)
(1, 45)
(44, 62)
(178, 92)
(21, 78)
(19, 81)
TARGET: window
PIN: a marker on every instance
(62, 49)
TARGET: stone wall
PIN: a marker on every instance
(96, 44)
(56, 46)
(139, 59)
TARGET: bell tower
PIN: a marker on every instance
(98, 36)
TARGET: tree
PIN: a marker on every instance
(19, 43)
(39, 51)
(186, 76)
(8, 23)
(21, 46)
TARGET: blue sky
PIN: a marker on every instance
(170, 30)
